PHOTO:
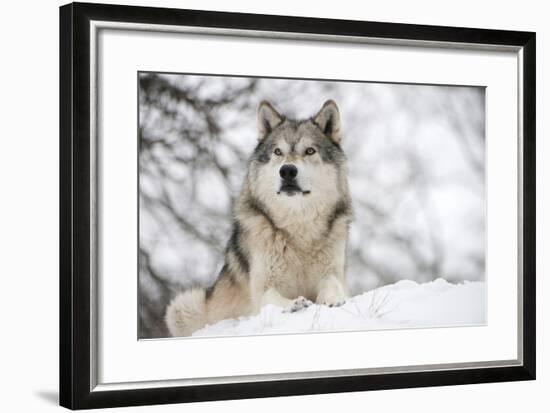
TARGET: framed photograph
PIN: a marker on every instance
(258, 205)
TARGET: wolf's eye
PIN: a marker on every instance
(310, 151)
(278, 152)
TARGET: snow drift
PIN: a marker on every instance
(405, 304)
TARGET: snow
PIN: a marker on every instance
(405, 304)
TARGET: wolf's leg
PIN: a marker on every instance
(272, 296)
(331, 291)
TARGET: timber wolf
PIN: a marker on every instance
(290, 229)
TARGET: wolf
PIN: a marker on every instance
(290, 227)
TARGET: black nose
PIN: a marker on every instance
(288, 172)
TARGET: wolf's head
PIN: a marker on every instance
(298, 163)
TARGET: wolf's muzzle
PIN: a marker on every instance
(289, 184)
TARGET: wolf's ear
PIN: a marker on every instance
(328, 119)
(268, 118)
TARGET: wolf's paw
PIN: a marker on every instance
(336, 304)
(298, 304)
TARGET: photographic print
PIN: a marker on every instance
(373, 190)
(293, 205)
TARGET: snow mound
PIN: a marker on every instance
(405, 304)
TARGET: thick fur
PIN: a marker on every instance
(288, 245)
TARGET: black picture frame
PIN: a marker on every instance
(76, 221)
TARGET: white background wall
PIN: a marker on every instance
(29, 204)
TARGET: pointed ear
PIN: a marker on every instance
(268, 118)
(328, 119)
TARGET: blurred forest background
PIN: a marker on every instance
(416, 158)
